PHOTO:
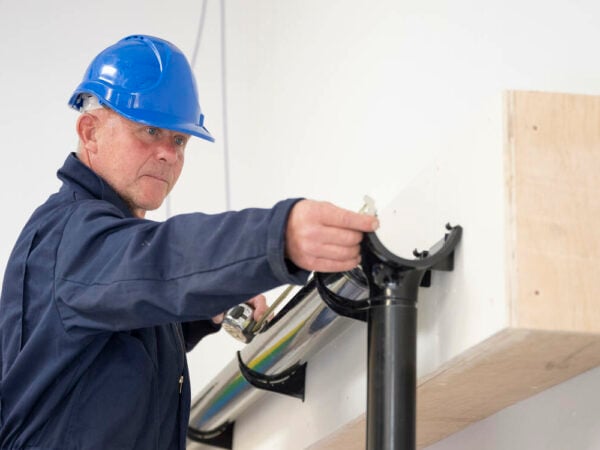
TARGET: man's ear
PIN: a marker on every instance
(87, 126)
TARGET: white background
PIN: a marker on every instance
(331, 100)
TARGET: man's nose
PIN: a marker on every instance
(168, 151)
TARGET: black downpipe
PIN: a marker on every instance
(392, 373)
(391, 315)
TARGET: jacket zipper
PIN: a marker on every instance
(182, 348)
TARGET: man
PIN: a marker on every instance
(99, 305)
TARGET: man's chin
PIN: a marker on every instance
(140, 208)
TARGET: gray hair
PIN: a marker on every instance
(89, 103)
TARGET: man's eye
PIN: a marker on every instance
(179, 140)
(152, 131)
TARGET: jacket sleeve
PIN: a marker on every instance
(118, 273)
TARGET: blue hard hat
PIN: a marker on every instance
(147, 80)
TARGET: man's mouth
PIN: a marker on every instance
(158, 177)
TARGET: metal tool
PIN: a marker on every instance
(239, 322)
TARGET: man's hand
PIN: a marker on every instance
(258, 303)
(322, 237)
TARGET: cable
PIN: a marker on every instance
(199, 33)
(258, 325)
(225, 115)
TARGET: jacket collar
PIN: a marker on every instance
(84, 181)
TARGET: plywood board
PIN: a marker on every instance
(552, 167)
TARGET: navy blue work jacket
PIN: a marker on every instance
(98, 308)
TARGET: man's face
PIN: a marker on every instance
(142, 163)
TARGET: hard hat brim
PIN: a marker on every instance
(151, 118)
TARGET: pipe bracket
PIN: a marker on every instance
(221, 436)
(290, 382)
(385, 270)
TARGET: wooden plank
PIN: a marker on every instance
(553, 162)
(510, 366)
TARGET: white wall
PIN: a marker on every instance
(330, 100)
(338, 99)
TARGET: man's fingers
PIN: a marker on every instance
(342, 218)
(330, 265)
(325, 213)
(333, 236)
(259, 303)
(330, 258)
(333, 252)
(218, 319)
(322, 237)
